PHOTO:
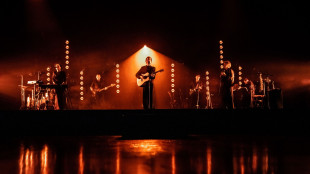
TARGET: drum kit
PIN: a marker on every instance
(38, 98)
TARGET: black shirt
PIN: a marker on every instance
(59, 78)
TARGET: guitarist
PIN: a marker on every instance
(147, 71)
(95, 87)
(195, 93)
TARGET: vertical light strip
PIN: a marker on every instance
(48, 75)
(221, 55)
(117, 79)
(208, 95)
(82, 85)
(67, 55)
(240, 76)
(172, 78)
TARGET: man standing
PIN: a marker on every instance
(60, 79)
(195, 92)
(226, 90)
(96, 95)
(147, 74)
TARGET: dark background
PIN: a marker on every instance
(261, 36)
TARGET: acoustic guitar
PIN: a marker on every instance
(146, 77)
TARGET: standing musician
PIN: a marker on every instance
(195, 92)
(147, 72)
(59, 78)
(249, 85)
(96, 87)
(226, 89)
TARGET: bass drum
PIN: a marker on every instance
(242, 98)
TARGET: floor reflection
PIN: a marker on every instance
(84, 155)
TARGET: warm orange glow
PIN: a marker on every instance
(67, 42)
(67, 56)
(81, 98)
(67, 47)
(44, 158)
(67, 67)
(242, 167)
(67, 51)
(254, 161)
(209, 160)
(145, 147)
(221, 42)
(81, 161)
(173, 162)
(265, 161)
(118, 159)
(21, 160)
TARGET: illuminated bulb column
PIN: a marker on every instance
(208, 95)
(240, 76)
(48, 75)
(221, 55)
(67, 55)
(172, 78)
(117, 79)
(81, 85)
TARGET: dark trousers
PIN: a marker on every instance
(61, 97)
(227, 98)
(148, 96)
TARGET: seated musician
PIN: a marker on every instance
(59, 78)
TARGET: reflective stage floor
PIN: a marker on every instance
(158, 141)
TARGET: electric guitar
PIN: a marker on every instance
(197, 88)
(95, 91)
(146, 77)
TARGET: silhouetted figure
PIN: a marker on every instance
(226, 89)
(147, 74)
(59, 78)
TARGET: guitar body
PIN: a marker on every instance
(141, 82)
(145, 78)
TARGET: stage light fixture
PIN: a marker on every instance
(48, 75)
(221, 55)
(67, 54)
(240, 75)
(172, 77)
(82, 85)
(117, 78)
(208, 95)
